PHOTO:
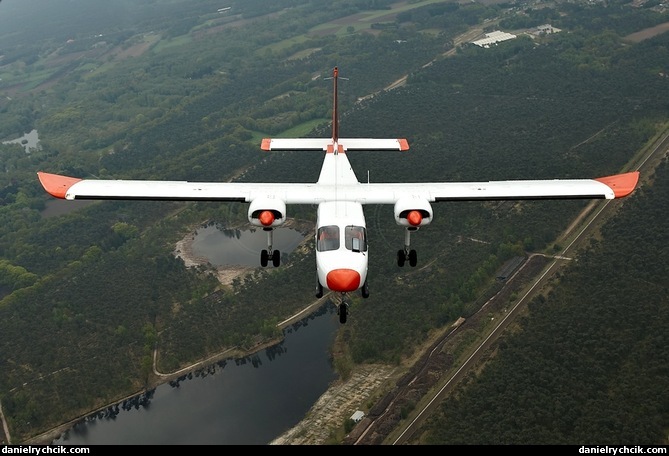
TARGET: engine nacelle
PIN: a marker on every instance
(413, 212)
(267, 212)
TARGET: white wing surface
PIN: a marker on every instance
(609, 187)
(70, 188)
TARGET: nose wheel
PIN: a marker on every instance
(269, 254)
(342, 309)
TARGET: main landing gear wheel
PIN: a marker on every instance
(270, 254)
(319, 290)
(400, 258)
(265, 256)
(403, 256)
(413, 258)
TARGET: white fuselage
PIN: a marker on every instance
(341, 257)
(341, 235)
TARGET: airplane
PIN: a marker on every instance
(341, 233)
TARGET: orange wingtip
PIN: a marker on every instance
(265, 145)
(56, 185)
(621, 184)
(404, 144)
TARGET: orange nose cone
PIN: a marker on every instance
(343, 280)
(266, 218)
(414, 218)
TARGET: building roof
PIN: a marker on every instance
(358, 415)
(494, 38)
(510, 267)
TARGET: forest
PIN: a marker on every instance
(102, 282)
(593, 352)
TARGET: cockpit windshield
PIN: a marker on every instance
(328, 238)
(355, 238)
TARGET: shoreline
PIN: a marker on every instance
(225, 274)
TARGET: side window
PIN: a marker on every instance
(327, 238)
(355, 238)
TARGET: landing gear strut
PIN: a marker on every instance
(406, 254)
(270, 254)
(342, 309)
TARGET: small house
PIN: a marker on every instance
(358, 415)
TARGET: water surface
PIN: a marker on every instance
(247, 402)
(224, 247)
(29, 141)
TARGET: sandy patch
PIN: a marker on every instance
(647, 33)
(225, 274)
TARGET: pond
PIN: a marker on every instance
(29, 141)
(237, 247)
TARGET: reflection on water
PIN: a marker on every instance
(223, 247)
(251, 400)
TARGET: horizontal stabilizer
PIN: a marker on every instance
(328, 144)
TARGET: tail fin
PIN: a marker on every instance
(335, 109)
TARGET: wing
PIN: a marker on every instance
(71, 188)
(610, 187)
